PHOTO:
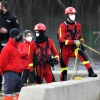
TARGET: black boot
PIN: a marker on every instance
(64, 76)
(91, 73)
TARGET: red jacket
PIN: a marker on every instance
(65, 37)
(23, 48)
(34, 48)
(10, 59)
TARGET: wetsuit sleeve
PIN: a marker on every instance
(81, 36)
(54, 51)
(62, 35)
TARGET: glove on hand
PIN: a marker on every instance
(56, 61)
(77, 43)
(53, 61)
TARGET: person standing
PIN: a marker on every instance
(40, 55)
(70, 38)
(24, 48)
(11, 65)
(7, 22)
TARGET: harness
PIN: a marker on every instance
(42, 55)
(72, 32)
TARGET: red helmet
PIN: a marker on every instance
(40, 26)
(70, 10)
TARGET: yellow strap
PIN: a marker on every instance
(62, 69)
(30, 65)
(66, 42)
(60, 32)
(91, 48)
(85, 62)
(29, 50)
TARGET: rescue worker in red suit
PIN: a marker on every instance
(23, 49)
(11, 66)
(42, 49)
(70, 37)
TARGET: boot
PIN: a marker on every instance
(91, 73)
(64, 76)
(8, 98)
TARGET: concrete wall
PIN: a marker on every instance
(85, 89)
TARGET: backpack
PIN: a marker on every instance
(42, 55)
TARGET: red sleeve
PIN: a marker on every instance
(30, 53)
(62, 35)
(81, 35)
(53, 49)
(3, 59)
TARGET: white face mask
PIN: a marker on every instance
(37, 34)
(72, 17)
(29, 39)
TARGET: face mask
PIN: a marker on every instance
(29, 39)
(37, 34)
(18, 39)
(1, 11)
(72, 17)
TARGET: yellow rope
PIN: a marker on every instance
(91, 48)
(76, 54)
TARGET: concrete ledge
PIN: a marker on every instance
(85, 89)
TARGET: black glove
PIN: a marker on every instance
(53, 62)
(56, 61)
(82, 47)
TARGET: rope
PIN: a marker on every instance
(91, 48)
(76, 54)
(90, 58)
